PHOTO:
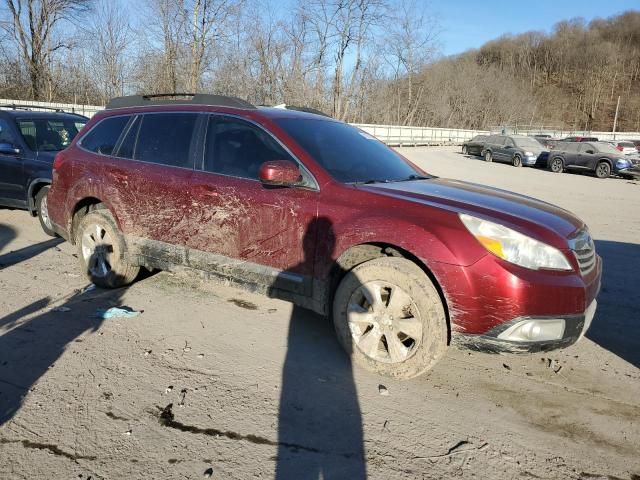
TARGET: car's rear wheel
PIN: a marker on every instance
(102, 251)
(464, 149)
(389, 318)
(488, 157)
(603, 170)
(42, 208)
(516, 161)
(556, 165)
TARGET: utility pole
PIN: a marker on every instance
(615, 119)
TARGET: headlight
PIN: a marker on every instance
(623, 163)
(528, 154)
(515, 247)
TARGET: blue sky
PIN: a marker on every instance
(468, 24)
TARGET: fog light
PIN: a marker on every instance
(534, 330)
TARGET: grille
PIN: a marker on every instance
(584, 250)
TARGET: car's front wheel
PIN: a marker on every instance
(488, 157)
(42, 208)
(516, 161)
(102, 251)
(464, 149)
(390, 318)
(603, 170)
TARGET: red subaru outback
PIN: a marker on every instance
(310, 209)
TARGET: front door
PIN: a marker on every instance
(586, 157)
(13, 191)
(236, 216)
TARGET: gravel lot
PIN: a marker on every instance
(258, 386)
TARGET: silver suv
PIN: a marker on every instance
(518, 150)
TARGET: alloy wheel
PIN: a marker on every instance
(97, 250)
(44, 212)
(384, 322)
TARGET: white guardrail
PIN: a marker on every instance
(390, 134)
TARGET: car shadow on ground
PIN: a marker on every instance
(16, 256)
(616, 326)
(7, 234)
(320, 433)
(29, 347)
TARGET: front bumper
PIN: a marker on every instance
(633, 172)
(575, 328)
(529, 160)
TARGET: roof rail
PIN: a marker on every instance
(13, 106)
(172, 98)
(302, 109)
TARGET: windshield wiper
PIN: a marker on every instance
(369, 182)
(414, 177)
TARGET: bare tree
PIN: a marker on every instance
(33, 25)
(109, 36)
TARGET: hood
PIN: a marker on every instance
(526, 214)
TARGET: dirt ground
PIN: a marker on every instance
(257, 386)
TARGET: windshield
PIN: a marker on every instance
(348, 154)
(606, 148)
(527, 143)
(49, 134)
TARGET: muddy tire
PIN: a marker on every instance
(102, 251)
(389, 318)
(42, 209)
(556, 165)
(603, 170)
(488, 157)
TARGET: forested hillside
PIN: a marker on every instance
(570, 78)
(373, 61)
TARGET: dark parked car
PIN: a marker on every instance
(599, 157)
(29, 140)
(474, 146)
(313, 210)
(518, 150)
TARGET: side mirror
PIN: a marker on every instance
(282, 173)
(8, 149)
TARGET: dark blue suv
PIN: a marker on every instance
(29, 141)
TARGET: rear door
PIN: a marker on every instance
(240, 218)
(13, 191)
(148, 178)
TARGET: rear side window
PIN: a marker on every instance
(238, 149)
(166, 138)
(104, 136)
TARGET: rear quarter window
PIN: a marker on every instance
(103, 137)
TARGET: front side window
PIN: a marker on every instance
(237, 148)
(6, 136)
(103, 137)
(348, 154)
(508, 142)
(166, 138)
(49, 134)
